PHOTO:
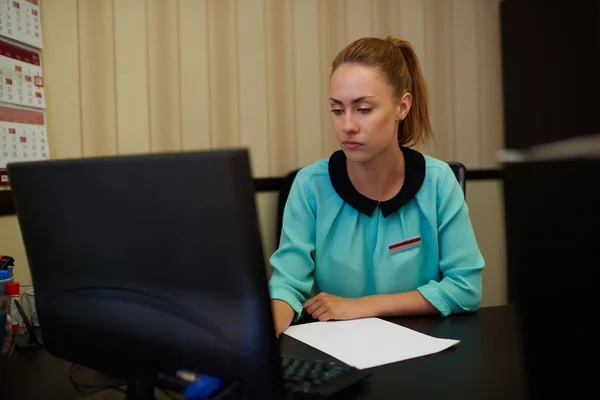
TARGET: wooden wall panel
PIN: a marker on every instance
(142, 76)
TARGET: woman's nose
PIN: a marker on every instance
(349, 125)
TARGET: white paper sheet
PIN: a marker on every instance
(368, 342)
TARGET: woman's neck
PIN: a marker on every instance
(381, 178)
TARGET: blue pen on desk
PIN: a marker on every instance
(202, 388)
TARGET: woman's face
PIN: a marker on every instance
(365, 112)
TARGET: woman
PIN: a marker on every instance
(379, 228)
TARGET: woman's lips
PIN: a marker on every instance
(351, 145)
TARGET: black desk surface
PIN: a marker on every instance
(487, 364)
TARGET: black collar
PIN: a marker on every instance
(415, 175)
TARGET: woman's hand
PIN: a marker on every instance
(7, 337)
(325, 307)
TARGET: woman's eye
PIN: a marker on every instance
(364, 110)
(337, 111)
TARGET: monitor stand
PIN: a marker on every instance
(140, 389)
(26, 340)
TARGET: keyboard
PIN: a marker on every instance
(318, 379)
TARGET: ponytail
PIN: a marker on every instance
(416, 127)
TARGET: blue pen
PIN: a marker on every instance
(202, 388)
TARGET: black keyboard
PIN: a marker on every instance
(318, 379)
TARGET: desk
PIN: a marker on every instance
(487, 364)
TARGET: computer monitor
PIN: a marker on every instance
(552, 220)
(148, 264)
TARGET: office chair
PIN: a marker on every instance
(460, 171)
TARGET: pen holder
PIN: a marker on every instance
(29, 306)
(2, 329)
(4, 281)
(3, 309)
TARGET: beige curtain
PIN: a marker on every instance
(137, 76)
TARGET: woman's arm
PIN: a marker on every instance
(325, 306)
(283, 315)
(460, 261)
(397, 304)
(292, 280)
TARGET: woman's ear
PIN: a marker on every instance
(403, 106)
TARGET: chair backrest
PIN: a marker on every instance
(460, 171)
(284, 191)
